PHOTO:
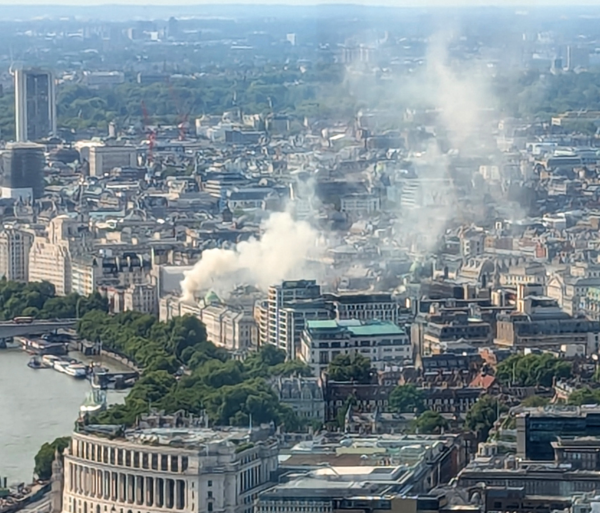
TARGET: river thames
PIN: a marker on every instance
(36, 406)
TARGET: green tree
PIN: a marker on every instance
(584, 396)
(430, 422)
(407, 399)
(535, 401)
(482, 415)
(291, 368)
(532, 370)
(217, 374)
(46, 454)
(231, 392)
(350, 367)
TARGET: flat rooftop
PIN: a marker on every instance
(560, 411)
(358, 328)
(185, 436)
(188, 437)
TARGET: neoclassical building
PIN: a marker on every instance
(165, 469)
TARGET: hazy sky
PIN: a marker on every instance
(399, 3)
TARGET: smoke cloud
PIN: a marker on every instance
(280, 254)
(452, 99)
(462, 93)
(459, 97)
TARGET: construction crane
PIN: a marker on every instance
(182, 118)
(150, 132)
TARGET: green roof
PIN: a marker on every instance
(321, 325)
(358, 328)
(383, 328)
(211, 297)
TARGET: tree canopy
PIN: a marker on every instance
(39, 300)
(482, 415)
(322, 91)
(230, 392)
(45, 456)
(430, 422)
(535, 401)
(584, 396)
(289, 91)
(407, 399)
(350, 367)
(532, 370)
(541, 94)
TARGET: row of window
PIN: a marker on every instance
(127, 458)
(117, 487)
(85, 507)
(325, 356)
(365, 343)
(383, 306)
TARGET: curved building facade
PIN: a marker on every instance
(166, 470)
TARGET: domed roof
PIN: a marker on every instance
(211, 297)
(415, 267)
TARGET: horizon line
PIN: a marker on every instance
(378, 4)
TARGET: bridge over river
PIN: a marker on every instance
(9, 329)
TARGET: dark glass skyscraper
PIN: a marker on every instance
(22, 171)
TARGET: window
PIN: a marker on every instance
(210, 495)
(209, 482)
(210, 506)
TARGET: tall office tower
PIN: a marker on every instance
(276, 327)
(35, 104)
(22, 171)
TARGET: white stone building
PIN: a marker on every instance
(156, 470)
(14, 254)
(50, 254)
(104, 159)
(384, 343)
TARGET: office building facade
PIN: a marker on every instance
(14, 254)
(275, 323)
(104, 159)
(538, 429)
(50, 255)
(193, 470)
(22, 173)
(383, 343)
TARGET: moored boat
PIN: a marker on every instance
(76, 370)
(61, 366)
(35, 363)
(49, 360)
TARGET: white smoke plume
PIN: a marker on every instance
(453, 99)
(280, 254)
(462, 93)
